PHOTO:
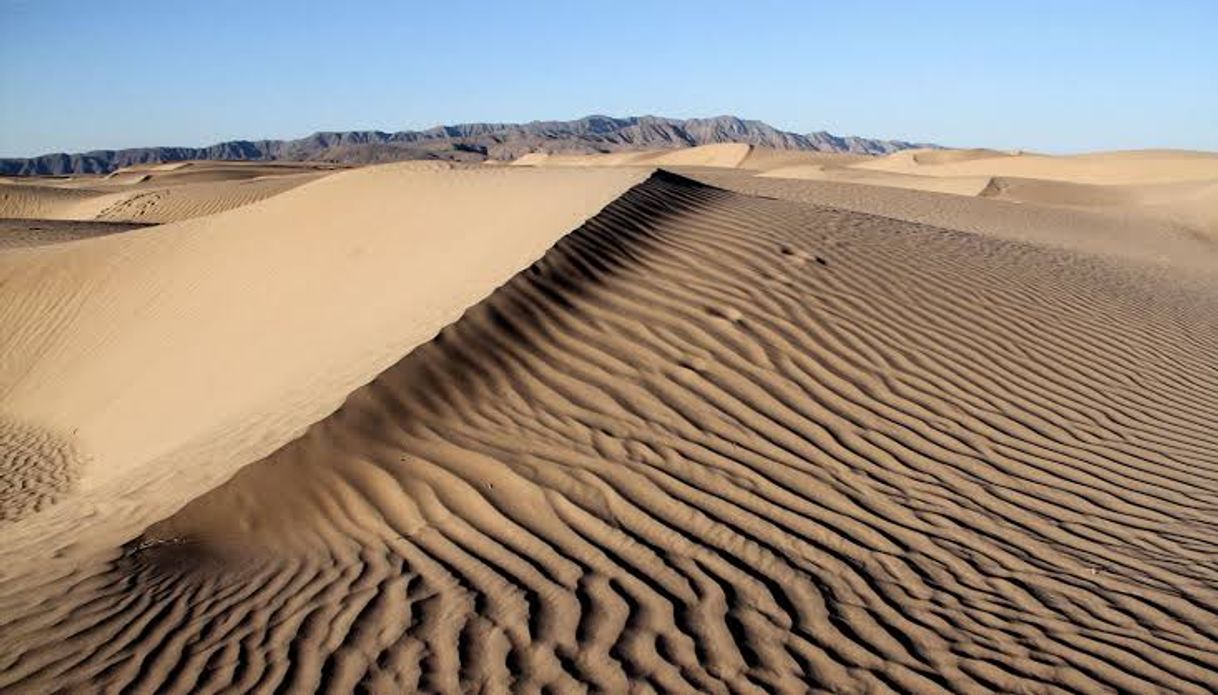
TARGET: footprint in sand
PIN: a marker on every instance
(798, 257)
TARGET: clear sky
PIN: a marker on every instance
(1058, 76)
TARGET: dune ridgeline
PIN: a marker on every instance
(713, 420)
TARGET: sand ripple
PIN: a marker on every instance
(711, 443)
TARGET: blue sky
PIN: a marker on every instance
(1060, 76)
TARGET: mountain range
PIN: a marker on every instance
(468, 142)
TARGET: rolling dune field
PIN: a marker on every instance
(150, 194)
(694, 432)
(1143, 195)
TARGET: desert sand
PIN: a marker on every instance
(717, 420)
(156, 193)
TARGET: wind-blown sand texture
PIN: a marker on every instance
(709, 442)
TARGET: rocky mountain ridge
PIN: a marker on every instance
(468, 142)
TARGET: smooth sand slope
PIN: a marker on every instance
(227, 334)
(1112, 168)
(710, 443)
(729, 155)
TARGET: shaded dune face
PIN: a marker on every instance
(28, 232)
(713, 443)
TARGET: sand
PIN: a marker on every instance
(1153, 236)
(152, 194)
(23, 232)
(958, 185)
(1131, 167)
(766, 435)
(727, 155)
(1162, 189)
(233, 331)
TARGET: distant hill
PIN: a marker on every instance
(468, 142)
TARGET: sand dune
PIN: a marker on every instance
(727, 155)
(1193, 204)
(25, 232)
(710, 442)
(1143, 234)
(948, 156)
(958, 185)
(767, 159)
(152, 194)
(45, 201)
(1158, 205)
(227, 334)
(1104, 168)
(181, 202)
(545, 159)
(200, 172)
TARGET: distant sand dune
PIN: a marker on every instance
(1193, 204)
(728, 155)
(958, 185)
(1173, 236)
(932, 157)
(1177, 190)
(709, 443)
(1103, 168)
(152, 194)
(210, 172)
(766, 159)
(34, 200)
(25, 232)
(207, 197)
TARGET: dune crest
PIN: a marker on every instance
(227, 334)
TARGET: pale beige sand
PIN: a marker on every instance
(728, 155)
(1191, 204)
(1174, 186)
(709, 443)
(950, 156)
(199, 172)
(958, 185)
(543, 159)
(1130, 167)
(233, 331)
(766, 159)
(152, 194)
(24, 232)
(1177, 237)
(39, 199)
(1170, 189)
